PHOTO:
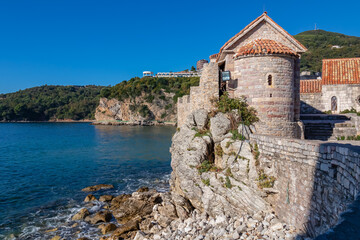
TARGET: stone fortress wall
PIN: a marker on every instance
(347, 97)
(200, 96)
(277, 103)
(315, 180)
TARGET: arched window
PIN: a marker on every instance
(270, 80)
(333, 103)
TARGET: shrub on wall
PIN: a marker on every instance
(246, 113)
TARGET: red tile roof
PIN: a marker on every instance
(238, 34)
(310, 86)
(341, 71)
(252, 23)
(214, 56)
(264, 46)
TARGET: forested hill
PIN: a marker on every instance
(79, 102)
(50, 102)
(149, 98)
(322, 44)
(151, 86)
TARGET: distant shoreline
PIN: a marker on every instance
(52, 121)
(105, 123)
(134, 123)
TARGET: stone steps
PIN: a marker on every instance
(318, 131)
(331, 117)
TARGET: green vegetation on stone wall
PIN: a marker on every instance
(50, 102)
(226, 105)
(322, 45)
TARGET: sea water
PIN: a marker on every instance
(44, 166)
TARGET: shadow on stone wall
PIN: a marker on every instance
(349, 228)
(308, 109)
(321, 126)
(335, 204)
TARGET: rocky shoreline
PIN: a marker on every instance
(134, 123)
(53, 121)
(147, 214)
(218, 190)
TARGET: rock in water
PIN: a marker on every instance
(97, 187)
(131, 225)
(90, 198)
(102, 216)
(106, 198)
(51, 230)
(143, 189)
(106, 228)
(126, 207)
(82, 214)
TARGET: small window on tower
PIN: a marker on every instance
(270, 80)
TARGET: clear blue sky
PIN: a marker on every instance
(80, 42)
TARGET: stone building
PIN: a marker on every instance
(338, 90)
(264, 63)
(200, 64)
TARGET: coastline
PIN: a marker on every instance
(134, 123)
(149, 214)
(53, 121)
(105, 123)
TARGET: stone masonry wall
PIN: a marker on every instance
(200, 97)
(274, 103)
(311, 103)
(315, 181)
(346, 96)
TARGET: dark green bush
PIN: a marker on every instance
(236, 135)
(352, 110)
(144, 111)
(247, 113)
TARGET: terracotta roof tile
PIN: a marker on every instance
(239, 33)
(341, 71)
(264, 46)
(310, 86)
(214, 56)
(252, 23)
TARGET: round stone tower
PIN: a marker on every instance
(266, 74)
(200, 64)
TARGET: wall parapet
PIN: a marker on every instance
(315, 180)
(200, 96)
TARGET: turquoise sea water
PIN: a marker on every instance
(43, 167)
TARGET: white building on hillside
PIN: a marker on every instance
(148, 74)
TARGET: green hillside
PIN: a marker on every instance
(320, 45)
(151, 86)
(50, 102)
(162, 92)
(79, 102)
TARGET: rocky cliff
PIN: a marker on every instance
(218, 191)
(137, 109)
(207, 170)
